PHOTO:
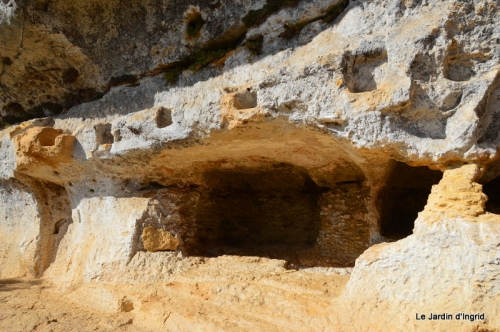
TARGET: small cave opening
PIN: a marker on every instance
(194, 23)
(270, 212)
(404, 196)
(492, 190)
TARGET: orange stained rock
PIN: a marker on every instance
(43, 145)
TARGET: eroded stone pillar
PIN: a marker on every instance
(448, 265)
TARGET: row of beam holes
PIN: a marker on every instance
(362, 72)
(458, 65)
(104, 135)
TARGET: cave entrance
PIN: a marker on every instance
(270, 212)
(492, 190)
(403, 197)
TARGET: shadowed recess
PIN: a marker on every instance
(403, 197)
(253, 212)
(492, 190)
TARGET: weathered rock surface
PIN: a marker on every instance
(66, 53)
(306, 132)
(450, 264)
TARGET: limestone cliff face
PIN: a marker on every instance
(166, 134)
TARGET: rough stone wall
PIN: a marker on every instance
(346, 226)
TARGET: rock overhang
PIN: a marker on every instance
(359, 112)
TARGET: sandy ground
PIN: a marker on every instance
(31, 305)
(251, 297)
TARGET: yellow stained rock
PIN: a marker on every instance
(158, 239)
(457, 195)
